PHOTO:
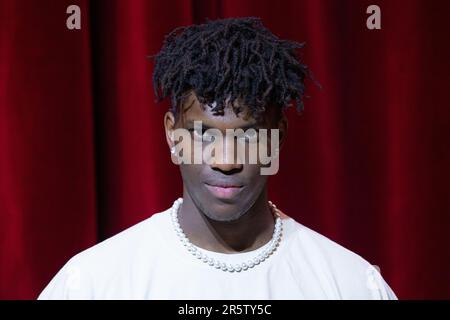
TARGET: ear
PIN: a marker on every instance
(169, 127)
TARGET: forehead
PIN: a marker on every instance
(192, 110)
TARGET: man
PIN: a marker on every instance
(223, 239)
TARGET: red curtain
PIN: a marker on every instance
(83, 155)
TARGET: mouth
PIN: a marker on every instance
(223, 191)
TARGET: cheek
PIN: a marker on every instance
(192, 174)
(253, 173)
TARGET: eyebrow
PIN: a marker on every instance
(190, 123)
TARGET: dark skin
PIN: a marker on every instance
(239, 224)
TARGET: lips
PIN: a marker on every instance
(224, 190)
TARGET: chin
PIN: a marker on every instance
(222, 215)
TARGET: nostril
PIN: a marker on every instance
(228, 169)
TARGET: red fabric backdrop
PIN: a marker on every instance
(83, 154)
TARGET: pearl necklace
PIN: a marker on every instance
(273, 244)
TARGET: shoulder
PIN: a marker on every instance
(144, 235)
(314, 242)
(351, 275)
(109, 259)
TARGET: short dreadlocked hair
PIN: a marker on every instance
(235, 59)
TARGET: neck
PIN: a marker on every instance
(251, 231)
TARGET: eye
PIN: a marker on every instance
(198, 134)
(251, 135)
(209, 136)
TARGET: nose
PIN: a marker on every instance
(227, 159)
(227, 168)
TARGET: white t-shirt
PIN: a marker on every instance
(148, 261)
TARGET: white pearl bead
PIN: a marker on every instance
(273, 244)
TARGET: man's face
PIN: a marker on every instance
(223, 190)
